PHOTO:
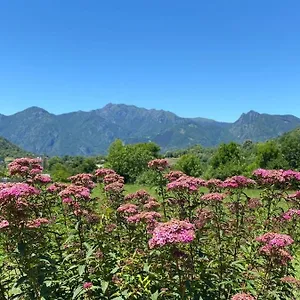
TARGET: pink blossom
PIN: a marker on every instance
(87, 285)
(140, 195)
(25, 167)
(116, 187)
(242, 296)
(172, 232)
(83, 180)
(4, 224)
(42, 178)
(37, 222)
(75, 191)
(174, 175)
(288, 215)
(238, 182)
(213, 197)
(112, 178)
(186, 183)
(103, 172)
(275, 239)
(128, 208)
(151, 205)
(158, 164)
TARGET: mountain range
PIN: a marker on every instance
(90, 133)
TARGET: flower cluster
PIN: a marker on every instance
(274, 244)
(174, 175)
(36, 223)
(202, 217)
(128, 208)
(103, 172)
(42, 178)
(276, 176)
(238, 182)
(186, 184)
(288, 215)
(214, 184)
(242, 296)
(76, 191)
(213, 197)
(25, 167)
(56, 187)
(83, 179)
(172, 232)
(158, 164)
(17, 191)
(111, 178)
(141, 196)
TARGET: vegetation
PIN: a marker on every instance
(197, 239)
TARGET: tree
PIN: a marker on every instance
(190, 164)
(131, 160)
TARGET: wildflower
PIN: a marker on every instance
(87, 285)
(290, 280)
(202, 217)
(128, 208)
(140, 195)
(83, 179)
(25, 167)
(4, 224)
(174, 175)
(103, 172)
(116, 187)
(76, 192)
(158, 164)
(288, 215)
(112, 178)
(238, 182)
(254, 203)
(242, 296)
(37, 222)
(172, 232)
(42, 178)
(275, 239)
(186, 183)
(213, 197)
(151, 205)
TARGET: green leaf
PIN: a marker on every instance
(155, 296)
(79, 291)
(104, 286)
(81, 269)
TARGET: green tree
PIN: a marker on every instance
(131, 161)
(269, 156)
(190, 164)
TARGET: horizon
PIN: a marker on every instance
(209, 59)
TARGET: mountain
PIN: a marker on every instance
(8, 149)
(89, 133)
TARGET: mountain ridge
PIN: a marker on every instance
(91, 132)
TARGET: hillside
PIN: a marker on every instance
(8, 149)
(89, 133)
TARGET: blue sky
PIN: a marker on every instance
(213, 59)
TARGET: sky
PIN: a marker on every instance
(213, 58)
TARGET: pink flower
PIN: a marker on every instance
(83, 180)
(37, 222)
(103, 172)
(238, 182)
(4, 224)
(275, 239)
(128, 208)
(213, 197)
(158, 164)
(25, 167)
(75, 191)
(87, 285)
(116, 187)
(186, 183)
(42, 178)
(242, 296)
(288, 215)
(140, 195)
(172, 232)
(174, 175)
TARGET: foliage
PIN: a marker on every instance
(130, 161)
(189, 164)
(199, 239)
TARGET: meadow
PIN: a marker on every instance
(183, 237)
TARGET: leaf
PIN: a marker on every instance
(81, 269)
(79, 290)
(104, 286)
(154, 296)
(114, 270)
(146, 268)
